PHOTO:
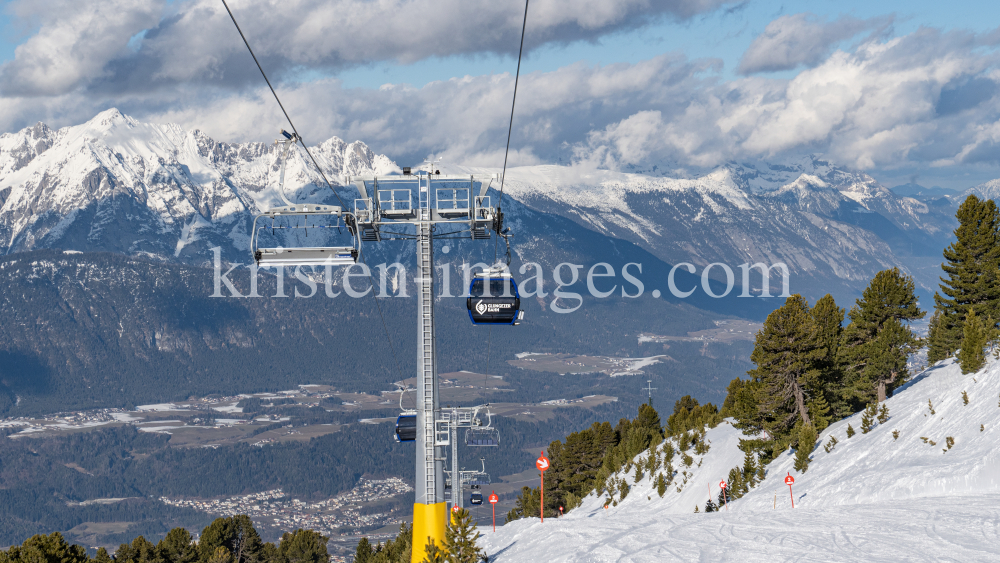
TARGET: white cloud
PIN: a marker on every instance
(74, 42)
(928, 98)
(83, 44)
(886, 104)
(801, 39)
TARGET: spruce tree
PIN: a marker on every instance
(972, 355)
(876, 344)
(973, 275)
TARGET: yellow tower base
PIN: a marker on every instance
(428, 522)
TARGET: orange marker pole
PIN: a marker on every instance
(542, 491)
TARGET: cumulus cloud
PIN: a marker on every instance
(929, 97)
(74, 41)
(801, 39)
(83, 44)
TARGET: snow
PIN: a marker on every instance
(872, 498)
(160, 407)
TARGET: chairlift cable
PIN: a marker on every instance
(503, 176)
(321, 173)
(282, 106)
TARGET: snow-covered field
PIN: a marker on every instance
(872, 498)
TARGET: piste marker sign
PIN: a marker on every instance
(542, 463)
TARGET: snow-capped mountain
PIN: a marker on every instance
(986, 190)
(829, 225)
(901, 492)
(119, 185)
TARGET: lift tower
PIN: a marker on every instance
(459, 210)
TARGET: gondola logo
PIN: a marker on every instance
(481, 307)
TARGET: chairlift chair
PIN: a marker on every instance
(297, 216)
(482, 437)
(494, 298)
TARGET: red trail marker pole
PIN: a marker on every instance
(542, 463)
(788, 481)
(494, 499)
(725, 499)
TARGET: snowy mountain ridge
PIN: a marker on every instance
(116, 184)
(872, 478)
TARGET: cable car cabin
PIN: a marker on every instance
(406, 428)
(479, 482)
(494, 299)
(482, 437)
(476, 498)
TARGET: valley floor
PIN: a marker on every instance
(963, 529)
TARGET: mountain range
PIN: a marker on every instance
(115, 184)
(145, 205)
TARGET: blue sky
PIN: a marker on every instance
(901, 90)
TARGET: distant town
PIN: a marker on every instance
(335, 516)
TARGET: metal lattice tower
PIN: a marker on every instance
(464, 214)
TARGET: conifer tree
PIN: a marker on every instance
(972, 355)
(876, 344)
(788, 353)
(177, 547)
(972, 268)
(661, 485)
(364, 552)
(303, 546)
(459, 545)
(102, 556)
(868, 418)
(829, 319)
(807, 441)
(937, 349)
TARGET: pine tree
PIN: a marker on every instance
(303, 546)
(661, 485)
(850, 431)
(876, 344)
(807, 441)
(883, 414)
(177, 547)
(937, 349)
(789, 355)
(972, 355)
(868, 418)
(709, 506)
(829, 319)
(972, 269)
(460, 539)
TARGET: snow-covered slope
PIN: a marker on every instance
(873, 497)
